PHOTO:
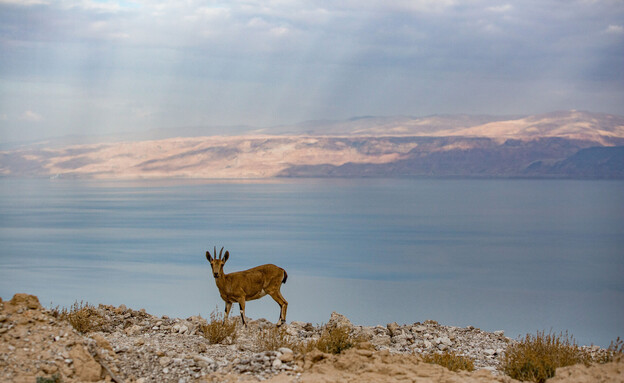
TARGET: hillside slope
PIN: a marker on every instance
(556, 145)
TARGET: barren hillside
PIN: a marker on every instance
(549, 145)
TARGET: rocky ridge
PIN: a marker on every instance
(568, 144)
(134, 346)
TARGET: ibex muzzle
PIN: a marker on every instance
(247, 285)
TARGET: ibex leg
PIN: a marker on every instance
(228, 307)
(277, 296)
(241, 304)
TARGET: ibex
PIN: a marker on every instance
(247, 285)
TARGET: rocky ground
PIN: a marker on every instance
(134, 346)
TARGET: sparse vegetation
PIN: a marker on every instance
(53, 379)
(450, 360)
(615, 351)
(536, 357)
(335, 340)
(273, 338)
(332, 341)
(84, 317)
(219, 330)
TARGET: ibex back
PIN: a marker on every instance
(247, 285)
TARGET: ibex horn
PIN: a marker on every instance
(221, 253)
(215, 252)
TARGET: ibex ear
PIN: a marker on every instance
(208, 257)
(226, 256)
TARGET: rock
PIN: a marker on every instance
(393, 328)
(444, 340)
(87, 369)
(102, 342)
(338, 320)
(277, 363)
(381, 340)
(133, 330)
(287, 355)
(164, 361)
(24, 301)
(121, 309)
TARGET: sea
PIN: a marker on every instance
(515, 255)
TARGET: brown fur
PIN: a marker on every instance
(247, 285)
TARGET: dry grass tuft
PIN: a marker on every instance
(332, 341)
(614, 352)
(82, 316)
(537, 357)
(335, 340)
(273, 338)
(219, 330)
(450, 360)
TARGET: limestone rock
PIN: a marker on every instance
(87, 369)
(393, 328)
(338, 320)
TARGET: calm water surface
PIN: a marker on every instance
(516, 255)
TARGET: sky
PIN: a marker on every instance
(100, 67)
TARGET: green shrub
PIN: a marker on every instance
(535, 358)
(450, 360)
(53, 379)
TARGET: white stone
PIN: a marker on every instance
(285, 350)
(446, 341)
(277, 363)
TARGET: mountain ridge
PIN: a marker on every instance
(436, 146)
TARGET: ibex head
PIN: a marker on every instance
(217, 263)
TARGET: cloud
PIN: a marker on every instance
(24, 2)
(30, 116)
(261, 62)
(615, 29)
(500, 8)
